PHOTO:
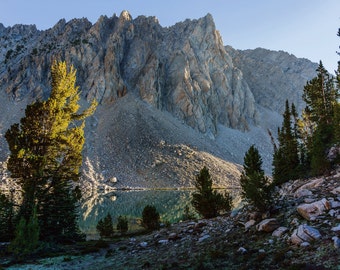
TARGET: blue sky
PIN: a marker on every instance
(305, 28)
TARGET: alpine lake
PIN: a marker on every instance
(171, 204)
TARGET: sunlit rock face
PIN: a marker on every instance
(183, 69)
(178, 85)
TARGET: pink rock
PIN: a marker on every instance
(279, 231)
(304, 233)
(268, 225)
(313, 210)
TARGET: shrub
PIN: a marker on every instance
(105, 226)
(122, 224)
(206, 201)
(150, 218)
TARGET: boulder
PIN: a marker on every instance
(279, 231)
(268, 225)
(302, 193)
(312, 210)
(248, 224)
(304, 233)
(311, 184)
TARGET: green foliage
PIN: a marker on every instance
(122, 224)
(26, 236)
(321, 95)
(46, 155)
(286, 162)
(6, 218)
(206, 201)
(256, 188)
(187, 214)
(150, 218)
(105, 226)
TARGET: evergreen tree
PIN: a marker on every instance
(6, 218)
(122, 224)
(150, 217)
(26, 236)
(286, 163)
(321, 96)
(206, 201)
(46, 155)
(256, 188)
(105, 226)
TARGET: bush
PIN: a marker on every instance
(150, 218)
(206, 201)
(122, 224)
(105, 226)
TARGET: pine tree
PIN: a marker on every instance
(46, 155)
(286, 163)
(321, 97)
(105, 226)
(26, 236)
(206, 201)
(256, 188)
(6, 218)
(150, 217)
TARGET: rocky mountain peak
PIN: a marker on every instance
(125, 16)
(182, 73)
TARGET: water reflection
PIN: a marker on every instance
(170, 204)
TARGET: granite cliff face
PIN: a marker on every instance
(165, 94)
(274, 76)
(183, 69)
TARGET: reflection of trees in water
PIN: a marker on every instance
(169, 203)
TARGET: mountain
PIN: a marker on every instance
(171, 99)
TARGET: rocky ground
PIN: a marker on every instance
(300, 233)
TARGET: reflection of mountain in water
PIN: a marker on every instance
(169, 203)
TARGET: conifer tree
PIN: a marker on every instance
(105, 226)
(46, 155)
(206, 201)
(321, 96)
(6, 218)
(256, 188)
(286, 163)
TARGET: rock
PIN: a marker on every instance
(268, 225)
(279, 231)
(335, 204)
(303, 193)
(313, 210)
(173, 236)
(143, 244)
(304, 233)
(255, 216)
(336, 190)
(242, 250)
(336, 229)
(248, 224)
(163, 241)
(183, 71)
(336, 241)
(311, 184)
(305, 244)
(333, 153)
(204, 237)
